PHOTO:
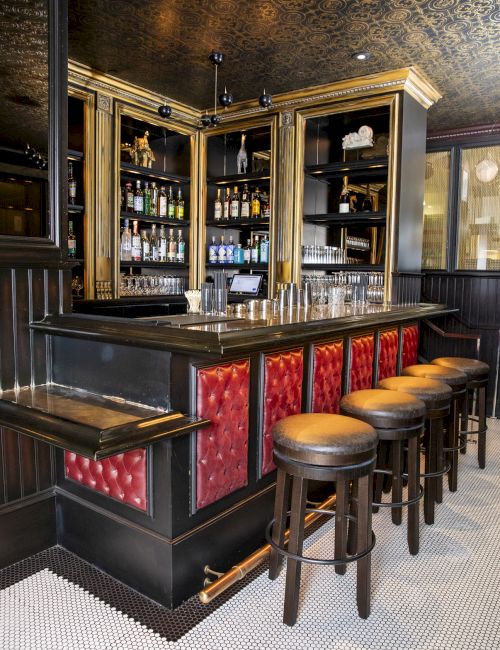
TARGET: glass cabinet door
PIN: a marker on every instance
(479, 209)
(435, 237)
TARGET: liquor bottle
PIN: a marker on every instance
(344, 204)
(162, 245)
(238, 255)
(71, 240)
(217, 206)
(153, 210)
(126, 243)
(162, 202)
(136, 241)
(71, 185)
(265, 207)
(247, 255)
(179, 205)
(181, 247)
(245, 203)
(367, 201)
(235, 204)
(147, 199)
(155, 251)
(170, 204)
(129, 197)
(123, 199)
(213, 252)
(145, 247)
(264, 250)
(138, 199)
(230, 251)
(254, 253)
(227, 204)
(221, 251)
(256, 204)
(171, 247)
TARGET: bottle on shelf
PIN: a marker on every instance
(71, 241)
(162, 245)
(162, 202)
(367, 201)
(265, 207)
(136, 241)
(145, 247)
(247, 255)
(256, 204)
(71, 185)
(264, 250)
(226, 208)
(238, 255)
(230, 251)
(344, 203)
(126, 243)
(181, 248)
(213, 252)
(218, 206)
(221, 252)
(153, 241)
(153, 211)
(170, 204)
(235, 204)
(171, 247)
(179, 205)
(255, 250)
(138, 199)
(245, 203)
(147, 199)
(129, 197)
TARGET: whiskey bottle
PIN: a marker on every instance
(235, 204)
(71, 185)
(129, 197)
(171, 247)
(181, 248)
(213, 252)
(162, 245)
(247, 255)
(254, 253)
(153, 211)
(265, 207)
(344, 204)
(245, 203)
(145, 247)
(256, 204)
(179, 205)
(170, 204)
(217, 206)
(155, 251)
(71, 241)
(147, 199)
(138, 199)
(162, 202)
(136, 241)
(126, 243)
(227, 204)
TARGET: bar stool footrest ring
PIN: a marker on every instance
(397, 504)
(437, 473)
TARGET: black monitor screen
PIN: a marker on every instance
(247, 284)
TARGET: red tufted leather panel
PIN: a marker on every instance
(388, 354)
(122, 477)
(222, 394)
(362, 348)
(282, 396)
(410, 346)
(327, 377)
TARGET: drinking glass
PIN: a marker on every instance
(207, 298)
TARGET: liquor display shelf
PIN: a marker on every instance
(252, 266)
(237, 224)
(342, 267)
(73, 154)
(347, 219)
(77, 260)
(135, 171)
(154, 265)
(233, 179)
(72, 207)
(180, 223)
(371, 167)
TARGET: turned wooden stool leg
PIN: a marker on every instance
(280, 512)
(440, 457)
(464, 421)
(481, 442)
(353, 508)
(397, 480)
(342, 502)
(413, 491)
(295, 542)
(364, 534)
(453, 440)
(431, 465)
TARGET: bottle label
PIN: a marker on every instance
(344, 208)
(264, 252)
(138, 204)
(226, 209)
(246, 256)
(256, 208)
(212, 253)
(72, 189)
(230, 253)
(136, 248)
(217, 212)
(181, 246)
(130, 201)
(163, 206)
(235, 209)
(245, 210)
(163, 250)
(71, 248)
(254, 255)
(239, 257)
(222, 254)
(145, 250)
(155, 253)
(171, 210)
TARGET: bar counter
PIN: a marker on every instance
(155, 515)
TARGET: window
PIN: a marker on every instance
(435, 238)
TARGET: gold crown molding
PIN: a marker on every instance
(82, 75)
(481, 130)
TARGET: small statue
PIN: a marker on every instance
(363, 138)
(242, 158)
(140, 152)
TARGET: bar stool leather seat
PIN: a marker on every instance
(449, 376)
(383, 409)
(471, 367)
(434, 394)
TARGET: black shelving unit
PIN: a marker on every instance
(369, 167)
(154, 265)
(251, 267)
(346, 219)
(74, 208)
(238, 179)
(342, 267)
(179, 223)
(146, 173)
(237, 224)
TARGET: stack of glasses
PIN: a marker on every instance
(214, 295)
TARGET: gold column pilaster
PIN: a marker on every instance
(105, 224)
(286, 220)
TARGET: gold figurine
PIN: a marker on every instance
(140, 152)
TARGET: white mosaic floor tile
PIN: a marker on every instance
(446, 598)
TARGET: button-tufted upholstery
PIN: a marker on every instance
(434, 394)
(448, 375)
(222, 394)
(327, 377)
(122, 477)
(383, 408)
(471, 367)
(388, 354)
(410, 345)
(361, 362)
(282, 396)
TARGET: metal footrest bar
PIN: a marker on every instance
(462, 445)
(439, 472)
(397, 504)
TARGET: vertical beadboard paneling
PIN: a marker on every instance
(7, 350)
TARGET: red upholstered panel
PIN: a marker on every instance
(122, 477)
(327, 377)
(222, 449)
(361, 362)
(410, 345)
(388, 354)
(282, 396)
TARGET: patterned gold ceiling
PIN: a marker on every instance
(290, 44)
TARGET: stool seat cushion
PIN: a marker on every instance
(324, 439)
(441, 373)
(383, 408)
(434, 394)
(471, 367)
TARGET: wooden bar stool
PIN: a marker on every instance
(399, 419)
(323, 447)
(437, 399)
(457, 382)
(477, 382)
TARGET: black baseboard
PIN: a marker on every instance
(27, 526)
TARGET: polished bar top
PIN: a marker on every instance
(194, 333)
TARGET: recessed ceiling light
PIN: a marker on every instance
(361, 56)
